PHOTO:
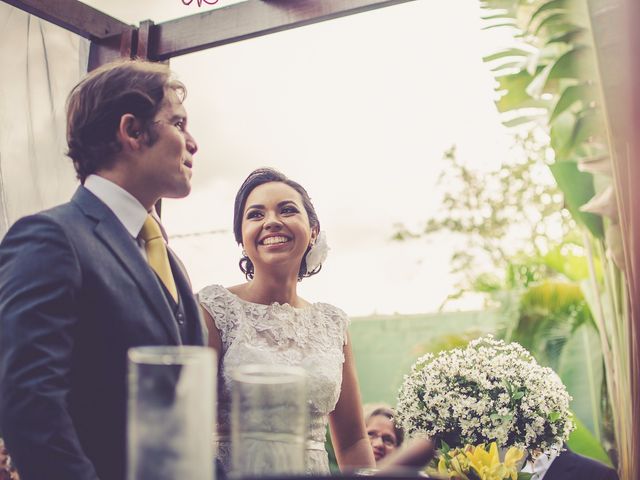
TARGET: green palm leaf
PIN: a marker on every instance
(581, 370)
(578, 189)
(571, 36)
(572, 63)
(582, 441)
(509, 52)
(570, 96)
(546, 7)
(553, 22)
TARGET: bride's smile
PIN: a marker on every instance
(274, 240)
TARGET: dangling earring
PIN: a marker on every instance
(245, 265)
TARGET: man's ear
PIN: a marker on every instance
(130, 133)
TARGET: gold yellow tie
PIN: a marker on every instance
(157, 254)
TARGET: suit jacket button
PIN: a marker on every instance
(180, 318)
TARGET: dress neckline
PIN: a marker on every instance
(286, 305)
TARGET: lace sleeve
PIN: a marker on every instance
(215, 300)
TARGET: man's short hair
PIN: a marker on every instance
(96, 104)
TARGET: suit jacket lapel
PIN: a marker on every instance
(113, 234)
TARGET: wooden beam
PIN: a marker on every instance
(145, 40)
(249, 19)
(73, 15)
(112, 48)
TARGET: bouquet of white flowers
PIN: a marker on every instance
(488, 392)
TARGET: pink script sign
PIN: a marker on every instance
(200, 2)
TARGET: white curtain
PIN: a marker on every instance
(40, 64)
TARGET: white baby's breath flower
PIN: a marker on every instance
(489, 391)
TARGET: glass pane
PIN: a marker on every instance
(133, 12)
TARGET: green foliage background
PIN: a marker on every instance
(385, 347)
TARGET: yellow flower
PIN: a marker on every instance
(487, 463)
(480, 460)
(460, 465)
(455, 469)
(511, 459)
(442, 465)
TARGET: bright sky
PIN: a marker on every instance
(359, 110)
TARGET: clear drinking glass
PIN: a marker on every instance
(170, 424)
(269, 420)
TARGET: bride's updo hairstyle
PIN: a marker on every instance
(259, 177)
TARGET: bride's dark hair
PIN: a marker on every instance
(259, 177)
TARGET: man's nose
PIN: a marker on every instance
(192, 146)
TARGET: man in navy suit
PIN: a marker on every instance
(76, 288)
(569, 465)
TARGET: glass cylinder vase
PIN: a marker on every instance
(170, 421)
(269, 420)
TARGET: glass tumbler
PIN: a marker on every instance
(170, 418)
(269, 420)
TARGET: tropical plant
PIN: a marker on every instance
(550, 82)
(555, 323)
(504, 217)
(524, 253)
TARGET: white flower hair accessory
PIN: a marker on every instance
(317, 254)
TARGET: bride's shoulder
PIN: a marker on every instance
(332, 311)
(337, 321)
(212, 291)
(236, 290)
(221, 305)
(213, 294)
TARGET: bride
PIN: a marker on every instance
(265, 321)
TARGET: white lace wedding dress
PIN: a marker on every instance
(312, 337)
